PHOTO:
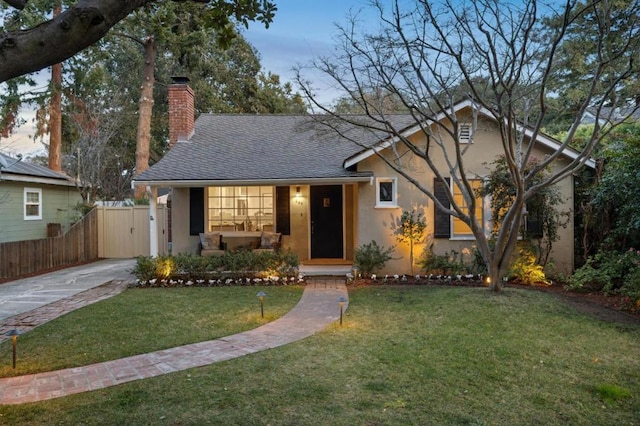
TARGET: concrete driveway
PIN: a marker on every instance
(26, 294)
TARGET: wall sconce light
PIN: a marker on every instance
(341, 302)
(261, 296)
(14, 343)
(298, 196)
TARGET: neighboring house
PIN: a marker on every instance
(35, 202)
(326, 196)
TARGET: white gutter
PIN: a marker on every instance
(251, 182)
(9, 177)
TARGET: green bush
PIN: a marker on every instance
(525, 269)
(370, 258)
(606, 271)
(239, 265)
(611, 273)
(450, 263)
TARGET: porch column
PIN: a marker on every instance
(153, 220)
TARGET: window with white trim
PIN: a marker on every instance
(32, 204)
(386, 192)
(465, 132)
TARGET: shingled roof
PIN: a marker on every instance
(14, 170)
(232, 148)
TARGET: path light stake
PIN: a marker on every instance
(14, 343)
(261, 296)
(341, 302)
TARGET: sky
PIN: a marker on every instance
(301, 31)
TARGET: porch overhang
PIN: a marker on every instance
(338, 180)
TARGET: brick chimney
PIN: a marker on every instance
(181, 110)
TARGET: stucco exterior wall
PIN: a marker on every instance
(381, 224)
(298, 241)
(57, 204)
(182, 242)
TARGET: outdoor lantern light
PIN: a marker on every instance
(341, 302)
(261, 296)
(14, 343)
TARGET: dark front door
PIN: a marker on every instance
(326, 222)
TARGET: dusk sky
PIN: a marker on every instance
(302, 30)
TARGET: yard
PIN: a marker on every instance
(405, 355)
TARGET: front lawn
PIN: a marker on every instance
(405, 355)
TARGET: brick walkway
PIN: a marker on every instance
(317, 309)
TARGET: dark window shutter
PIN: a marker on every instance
(441, 220)
(196, 211)
(534, 225)
(283, 214)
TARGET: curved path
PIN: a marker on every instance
(317, 309)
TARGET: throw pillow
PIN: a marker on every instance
(211, 241)
(269, 239)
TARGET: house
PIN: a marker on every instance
(326, 196)
(35, 202)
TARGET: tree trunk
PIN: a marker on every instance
(55, 111)
(145, 110)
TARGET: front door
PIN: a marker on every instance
(326, 222)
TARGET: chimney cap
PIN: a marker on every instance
(179, 80)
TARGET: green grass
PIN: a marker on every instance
(144, 320)
(405, 355)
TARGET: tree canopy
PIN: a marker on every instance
(85, 22)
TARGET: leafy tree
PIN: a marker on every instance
(607, 27)
(503, 59)
(87, 21)
(614, 200)
(541, 208)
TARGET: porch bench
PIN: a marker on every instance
(217, 243)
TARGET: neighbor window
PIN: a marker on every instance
(32, 204)
(459, 228)
(240, 208)
(465, 133)
(386, 192)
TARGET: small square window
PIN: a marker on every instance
(464, 133)
(386, 192)
(32, 204)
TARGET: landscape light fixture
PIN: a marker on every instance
(261, 296)
(341, 302)
(14, 343)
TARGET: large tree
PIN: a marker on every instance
(87, 21)
(502, 58)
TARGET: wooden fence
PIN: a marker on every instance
(79, 244)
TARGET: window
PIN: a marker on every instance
(32, 204)
(461, 229)
(240, 208)
(464, 133)
(386, 192)
(446, 226)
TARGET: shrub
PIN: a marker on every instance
(525, 270)
(236, 265)
(449, 263)
(606, 271)
(370, 258)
